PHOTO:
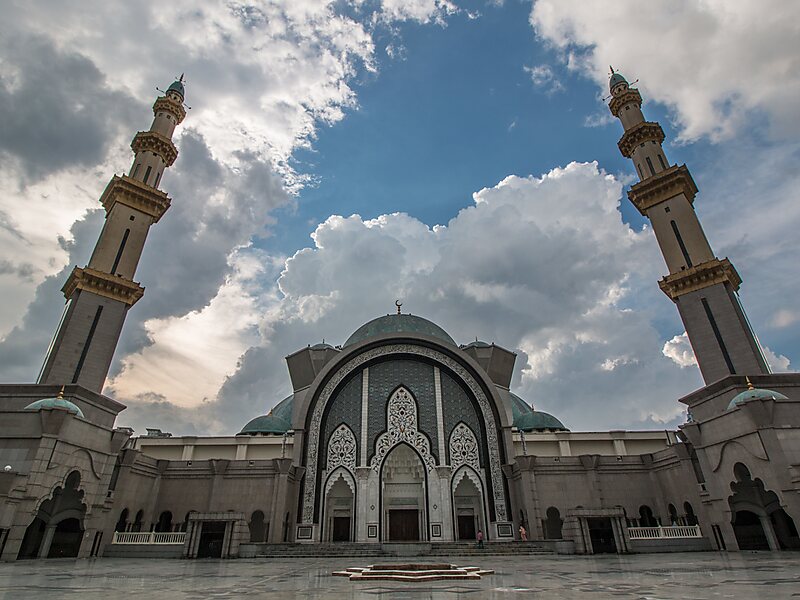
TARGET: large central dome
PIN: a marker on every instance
(398, 324)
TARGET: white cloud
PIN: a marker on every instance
(777, 362)
(422, 11)
(711, 61)
(679, 350)
(543, 76)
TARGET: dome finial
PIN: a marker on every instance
(398, 304)
(60, 395)
(750, 385)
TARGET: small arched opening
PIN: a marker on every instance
(646, 518)
(164, 523)
(122, 522)
(137, 521)
(257, 527)
(553, 524)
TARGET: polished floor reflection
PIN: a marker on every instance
(666, 576)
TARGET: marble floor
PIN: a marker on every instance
(757, 575)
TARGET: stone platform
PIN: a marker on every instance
(411, 572)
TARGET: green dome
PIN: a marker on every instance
(398, 324)
(57, 402)
(279, 420)
(527, 419)
(754, 394)
(177, 86)
(616, 79)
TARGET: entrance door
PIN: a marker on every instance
(66, 539)
(466, 527)
(749, 532)
(341, 529)
(404, 525)
(211, 538)
(602, 536)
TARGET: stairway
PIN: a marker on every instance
(373, 550)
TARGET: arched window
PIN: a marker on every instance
(137, 522)
(690, 517)
(646, 518)
(552, 524)
(122, 524)
(673, 514)
(164, 522)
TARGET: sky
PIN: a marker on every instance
(338, 156)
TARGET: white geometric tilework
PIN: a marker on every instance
(342, 449)
(403, 427)
(463, 448)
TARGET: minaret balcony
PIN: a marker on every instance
(140, 196)
(165, 104)
(103, 284)
(628, 96)
(152, 141)
(661, 187)
(646, 131)
(700, 276)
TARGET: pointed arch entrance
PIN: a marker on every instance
(468, 504)
(404, 495)
(339, 509)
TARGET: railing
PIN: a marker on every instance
(656, 533)
(149, 537)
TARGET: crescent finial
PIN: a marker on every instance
(398, 304)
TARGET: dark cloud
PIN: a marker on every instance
(57, 109)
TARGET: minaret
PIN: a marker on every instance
(100, 294)
(703, 286)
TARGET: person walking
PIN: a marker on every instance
(479, 537)
(523, 535)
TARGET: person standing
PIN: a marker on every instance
(479, 537)
(523, 535)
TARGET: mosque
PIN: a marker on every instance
(400, 435)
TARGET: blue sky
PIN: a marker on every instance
(311, 110)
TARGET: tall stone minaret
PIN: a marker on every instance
(703, 286)
(100, 294)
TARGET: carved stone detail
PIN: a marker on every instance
(700, 276)
(628, 96)
(103, 284)
(152, 141)
(133, 193)
(464, 447)
(312, 450)
(661, 187)
(342, 449)
(402, 423)
(166, 104)
(645, 131)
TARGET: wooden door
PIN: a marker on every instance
(341, 529)
(404, 525)
(466, 527)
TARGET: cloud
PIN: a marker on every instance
(541, 265)
(422, 11)
(711, 62)
(679, 350)
(777, 362)
(543, 76)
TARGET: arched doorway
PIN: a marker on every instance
(137, 522)
(553, 524)
(403, 495)
(122, 524)
(646, 518)
(257, 527)
(749, 532)
(57, 528)
(467, 504)
(339, 507)
(66, 539)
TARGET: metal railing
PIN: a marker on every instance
(149, 537)
(672, 532)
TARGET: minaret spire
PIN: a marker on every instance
(100, 294)
(703, 286)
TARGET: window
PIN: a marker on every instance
(650, 165)
(136, 169)
(147, 174)
(666, 209)
(661, 160)
(132, 218)
(678, 237)
(120, 250)
(158, 178)
(641, 175)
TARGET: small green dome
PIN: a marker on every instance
(398, 324)
(278, 421)
(528, 419)
(57, 402)
(754, 393)
(616, 79)
(177, 86)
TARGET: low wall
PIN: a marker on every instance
(143, 551)
(671, 545)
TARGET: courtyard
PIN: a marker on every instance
(656, 576)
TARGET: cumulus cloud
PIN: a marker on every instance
(543, 76)
(712, 62)
(541, 265)
(679, 350)
(422, 11)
